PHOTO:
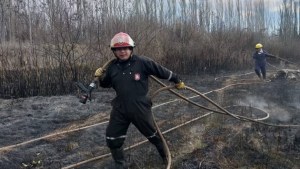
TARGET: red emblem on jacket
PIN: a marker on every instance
(137, 76)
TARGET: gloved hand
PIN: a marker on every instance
(99, 72)
(180, 85)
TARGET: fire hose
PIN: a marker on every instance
(285, 60)
(166, 148)
(221, 111)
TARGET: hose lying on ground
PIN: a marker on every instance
(223, 111)
(161, 134)
(216, 111)
(167, 88)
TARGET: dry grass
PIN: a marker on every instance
(51, 68)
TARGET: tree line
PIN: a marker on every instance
(46, 45)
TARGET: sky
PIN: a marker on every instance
(271, 9)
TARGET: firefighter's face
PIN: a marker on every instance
(122, 53)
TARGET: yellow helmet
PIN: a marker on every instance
(258, 46)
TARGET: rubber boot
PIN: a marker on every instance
(258, 74)
(157, 141)
(118, 156)
(161, 151)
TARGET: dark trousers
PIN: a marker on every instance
(260, 69)
(138, 112)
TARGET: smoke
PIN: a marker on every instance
(296, 101)
(275, 111)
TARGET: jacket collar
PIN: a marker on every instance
(127, 63)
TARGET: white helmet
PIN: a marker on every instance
(121, 40)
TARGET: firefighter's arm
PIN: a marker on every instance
(154, 68)
(269, 55)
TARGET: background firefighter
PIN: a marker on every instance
(260, 56)
(128, 75)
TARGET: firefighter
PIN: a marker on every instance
(260, 56)
(128, 75)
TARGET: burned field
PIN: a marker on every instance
(213, 141)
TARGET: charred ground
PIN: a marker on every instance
(216, 141)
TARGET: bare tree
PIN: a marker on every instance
(65, 36)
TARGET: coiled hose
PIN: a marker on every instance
(222, 111)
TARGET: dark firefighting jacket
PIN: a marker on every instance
(260, 57)
(130, 81)
(130, 78)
